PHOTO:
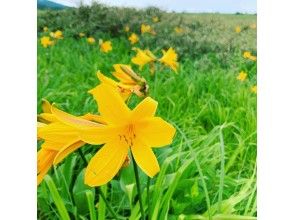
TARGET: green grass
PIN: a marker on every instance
(208, 172)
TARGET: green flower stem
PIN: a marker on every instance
(99, 190)
(138, 187)
(148, 197)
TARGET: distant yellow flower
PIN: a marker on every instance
(145, 28)
(105, 46)
(169, 58)
(57, 34)
(248, 55)
(133, 38)
(253, 58)
(127, 28)
(253, 26)
(237, 29)
(125, 74)
(242, 76)
(143, 57)
(179, 30)
(254, 89)
(137, 130)
(91, 40)
(82, 34)
(155, 19)
(46, 41)
(45, 29)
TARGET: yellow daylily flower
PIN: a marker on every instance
(57, 34)
(124, 91)
(242, 76)
(133, 38)
(46, 41)
(105, 46)
(248, 55)
(143, 57)
(82, 34)
(155, 19)
(127, 28)
(60, 139)
(254, 89)
(91, 40)
(45, 29)
(169, 58)
(145, 28)
(137, 130)
(126, 86)
(45, 159)
(179, 30)
(237, 29)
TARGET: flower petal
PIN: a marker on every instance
(44, 162)
(144, 109)
(99, 135)
(72, 120)
(111, 105)
(68, 149)
(155, 132)
(46, 106)
(57, 132)
(145, 158)
(106, 163)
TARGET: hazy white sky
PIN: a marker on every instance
(224, 6)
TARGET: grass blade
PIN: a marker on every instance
(56, 198)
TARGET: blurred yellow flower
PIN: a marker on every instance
(155, 19)
(169, 58)
(57, 34)
(127, 76)
(133, 38)
(143, 57)
(242, 76)
(45, 29)
(91, 40)
(253, 26)
(145, 28)
(106, 46)
(237, 29)
(127, 28)
(137, 130)
(248, 55)
(179, 30)
(46, 41)
(254, 89)
(82, 34)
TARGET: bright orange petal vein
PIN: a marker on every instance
(106, 163)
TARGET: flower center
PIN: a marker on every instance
(129, 135)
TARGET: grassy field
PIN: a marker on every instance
(209, 171)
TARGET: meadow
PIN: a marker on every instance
(209, 170)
